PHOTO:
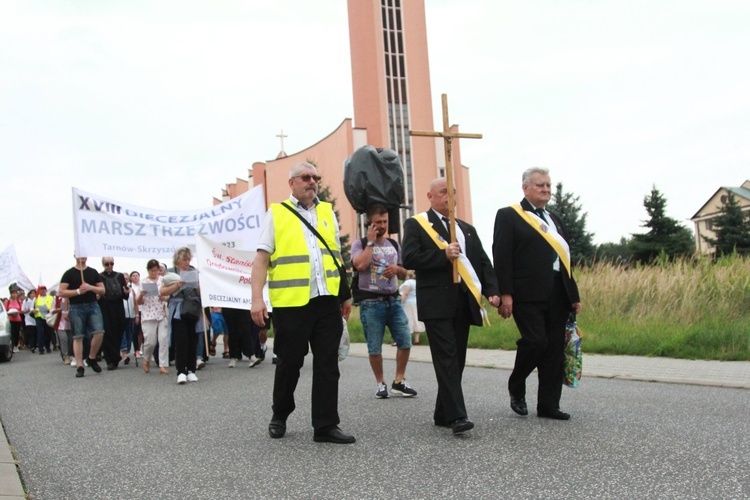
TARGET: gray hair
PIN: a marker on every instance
(526, 176)
(180, 253)
(299, 167)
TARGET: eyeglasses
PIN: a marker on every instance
(107, 264)
(543, 184)
(307, 177)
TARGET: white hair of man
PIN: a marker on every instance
(526, 177)
(299, 167)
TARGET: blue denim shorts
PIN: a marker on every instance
(375, 315)
(86, 320)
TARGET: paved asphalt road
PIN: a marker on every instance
(126, 434)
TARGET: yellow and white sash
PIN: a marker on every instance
(555, 240)
(465, 269)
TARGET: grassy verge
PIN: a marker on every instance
(690, 309)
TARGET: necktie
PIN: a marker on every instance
(540, 212)
(447, 222)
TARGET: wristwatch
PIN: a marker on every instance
(370, 244)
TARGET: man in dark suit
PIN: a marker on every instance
(448, 309)
(533, 268)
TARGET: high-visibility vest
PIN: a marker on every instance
(290, 270)
(47, 300)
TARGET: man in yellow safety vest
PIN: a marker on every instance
(303, 288)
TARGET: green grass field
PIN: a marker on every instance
(690, 309)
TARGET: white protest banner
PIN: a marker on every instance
(10, 270)
(8, 266)
(225, 275)
(107, 227)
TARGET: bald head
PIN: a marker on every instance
(438, 196)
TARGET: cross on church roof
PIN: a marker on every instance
(281, 136)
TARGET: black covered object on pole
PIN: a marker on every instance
(374, 175)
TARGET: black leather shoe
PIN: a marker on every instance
(461, 425)
(335, 435)
(94, 365)
(553, 414)
(277, 428)
(519, 406)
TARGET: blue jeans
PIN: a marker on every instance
(43, 335)
(375, 315)
(127, 335)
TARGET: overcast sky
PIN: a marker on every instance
(161, 103)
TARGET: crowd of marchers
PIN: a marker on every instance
(433, 281)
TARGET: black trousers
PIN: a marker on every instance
(318, 325)
(541, 346)
(29, 335)
(185, 342)
(239, 328)
(448, 341)
(113, 317)
(15, 332)
(44, 335)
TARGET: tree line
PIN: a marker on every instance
(664, 239)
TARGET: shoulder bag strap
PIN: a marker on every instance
(342, 271)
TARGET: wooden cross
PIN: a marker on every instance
(448, 137)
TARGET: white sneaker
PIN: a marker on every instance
(181, 378)
(15, 349)
(232, 363)
(73, 363)
(253, 362)
(191, 377)
(199, 363)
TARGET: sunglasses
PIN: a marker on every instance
(107, 264)
(307, 177)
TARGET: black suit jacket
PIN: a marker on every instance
(436, 292)
(523, 259)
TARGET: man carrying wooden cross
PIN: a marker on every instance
(448, 309)
(453, 272)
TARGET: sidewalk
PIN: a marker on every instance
(734, 374)
(10, 482)
(730, 374)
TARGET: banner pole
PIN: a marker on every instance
(205, 331)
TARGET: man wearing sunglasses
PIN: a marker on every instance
(113, 312)
(303, 286)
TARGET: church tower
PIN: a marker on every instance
(392, 95)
